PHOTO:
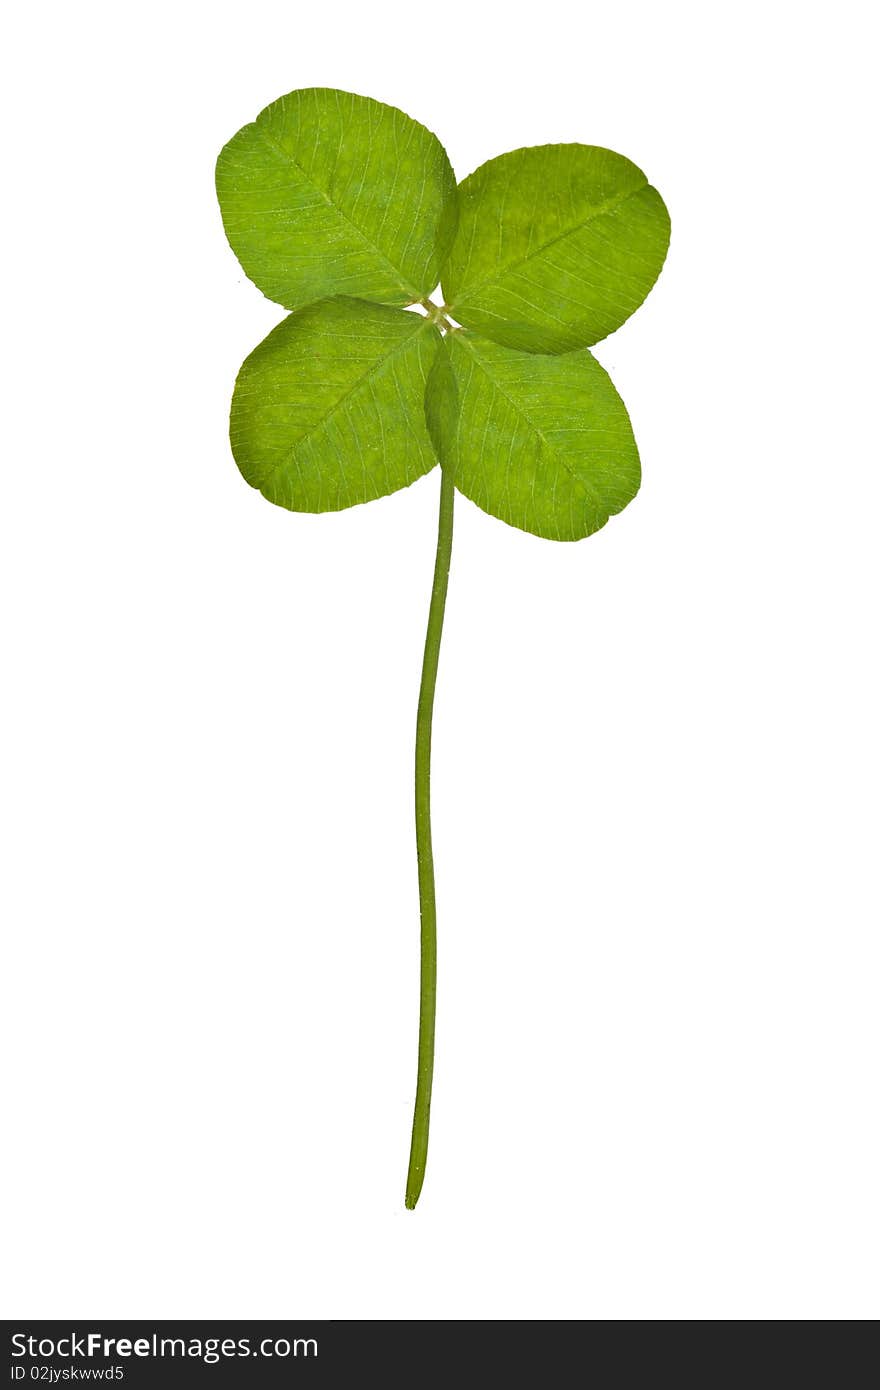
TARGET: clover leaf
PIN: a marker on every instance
(542, 442)
(329, 193)
(346, 211)
(556, 247)
(329, 409)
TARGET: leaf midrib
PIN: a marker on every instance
(340, 212)
(610, 205)
(587, 488)
(421, 323)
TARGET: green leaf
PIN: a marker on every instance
(543, 442)
(557, 245)
(328, 193)
(328, 411)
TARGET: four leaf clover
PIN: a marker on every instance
(346, 212)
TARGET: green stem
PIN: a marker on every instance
(418, 1154)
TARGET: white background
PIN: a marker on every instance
(655, 752)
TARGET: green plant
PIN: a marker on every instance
(344, 211)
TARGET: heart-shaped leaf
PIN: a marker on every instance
(543, 442)
(556, 246)
(329, 193)
(328, 411)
